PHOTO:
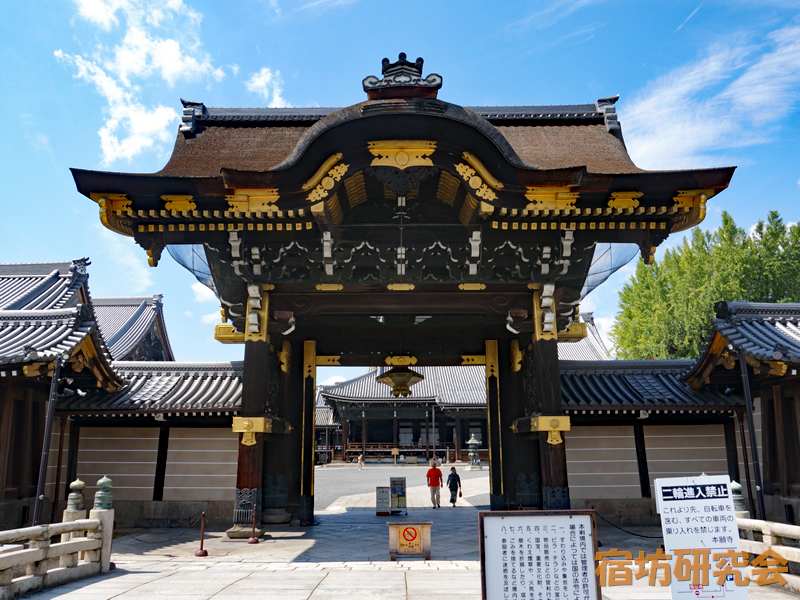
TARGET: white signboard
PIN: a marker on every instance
(530, 556)
(697, 513)
(383, 500)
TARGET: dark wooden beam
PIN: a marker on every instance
(161, 463)
(731, 452)
(641, 459)
(780, 441)
(6, 424)
(497, 499)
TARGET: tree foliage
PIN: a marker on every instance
(665, 308)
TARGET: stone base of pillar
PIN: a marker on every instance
(307, 510)
(240, 531)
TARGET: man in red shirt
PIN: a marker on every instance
(434, 476)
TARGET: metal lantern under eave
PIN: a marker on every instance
(400, 379)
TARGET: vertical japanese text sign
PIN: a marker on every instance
(698, 518)
(538, 555)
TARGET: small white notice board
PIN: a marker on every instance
(383, 500)
(698, 513)
(541, 554)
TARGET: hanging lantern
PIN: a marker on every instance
(400, 379)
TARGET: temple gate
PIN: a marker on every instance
(400, 231)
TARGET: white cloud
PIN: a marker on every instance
(604, 325)
(234, 69)
(202, 293)
(553, 12)
(333, 380)
(693, 13)
(269, 86)
(733, 97)
(211, 318)
(798, 182)
(158, 40)
(189, 314)
(128, 259)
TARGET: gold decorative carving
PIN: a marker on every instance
(474, 181)
(253, 200)
(401, 361)
(400, 287)
(328, 361)
(470, 287)
(329, 287)
(285, 356)
(227, 334)
(625, 199)
(482, 171)
(727, 360)
(575, 331)
(41, 369)
(310, 359)
(401, 153)
(550, 198)
(475, 359)
(516, 356)
(323, 188)
(317, 177)
(492, 362)
(109, 204)
(151, 260)
(651, 256)
(770, 367)
(178, 202)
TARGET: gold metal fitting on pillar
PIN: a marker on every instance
(553, 425)
(250, 426)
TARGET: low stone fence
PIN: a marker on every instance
(30, 560)
(772, 537)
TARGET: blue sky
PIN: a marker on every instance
(95, 84)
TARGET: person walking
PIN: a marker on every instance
(434, 476)
(454, 483)
(360, 461)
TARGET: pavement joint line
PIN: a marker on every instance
(230, 584)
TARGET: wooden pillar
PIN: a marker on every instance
(641, 459)
(457, 438)
(28, 438)
(395, 437)
(731, 452)
(497, 499)
(249, 471)
(547, 375)
(427, 435)
(780, 441)
(364, 434)
(161, 463)
(524, 475)
(309, 388)
(6, 425)
(72, 454)
(345, 435)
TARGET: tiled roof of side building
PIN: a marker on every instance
(166, 387)
(41, 286)
(764, 331)
(585, 385)
(644, 385)
(126, 321)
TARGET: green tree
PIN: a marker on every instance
(665, 308)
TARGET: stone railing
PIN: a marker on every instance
(772, 537)
(30, 561)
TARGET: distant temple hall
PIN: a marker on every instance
(425, 240)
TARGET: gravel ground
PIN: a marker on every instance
(333, 481)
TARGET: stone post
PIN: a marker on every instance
(103, 512)
(75, 508)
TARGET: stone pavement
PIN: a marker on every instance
(344, 556)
